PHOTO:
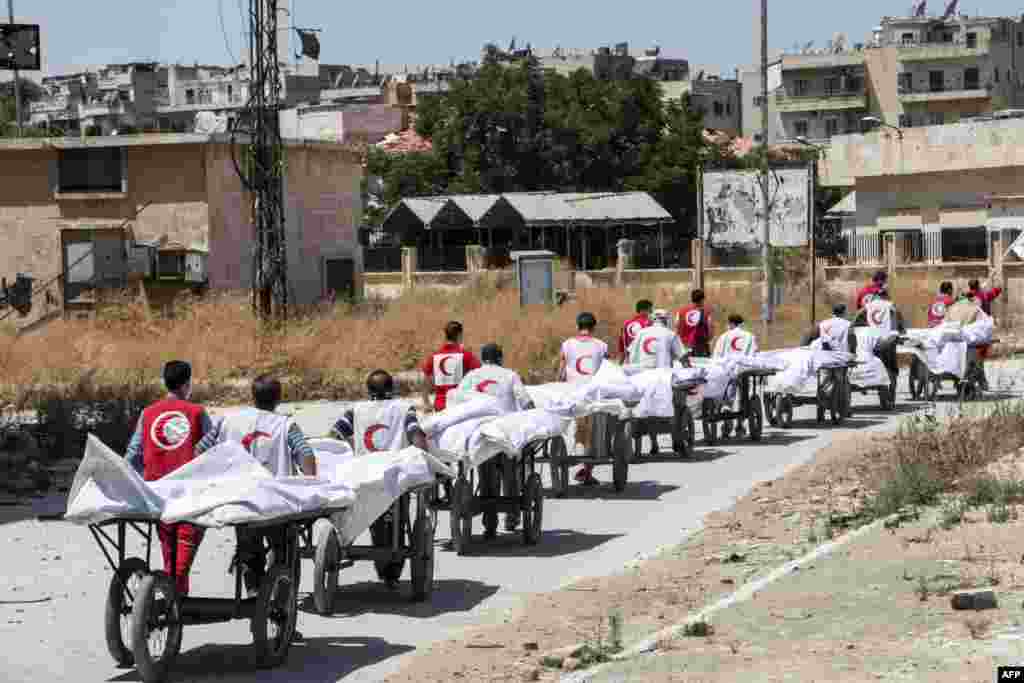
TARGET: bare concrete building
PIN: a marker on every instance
(912, 71)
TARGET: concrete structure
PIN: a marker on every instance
(914, 71)
(750, 107)
(341, 122)
(720, 100)
(84, 216)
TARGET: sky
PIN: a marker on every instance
(718, 33)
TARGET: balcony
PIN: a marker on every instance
(114, 82)
(821, 102)
(827, 60)
(100, 109)
(923, 52)
(910, 95)
(54, 105)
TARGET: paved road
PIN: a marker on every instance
(589, 534)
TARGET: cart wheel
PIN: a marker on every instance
(708, 412)
(821, 411)
(837, 405)
(155, 627)
(967, 391)
(533, 509)
(381, 532)
(273, 627)
(620, 464)
(325, 566)
(461, 516)
(559, 468)
(885, 401)
(121, 596)
(755, 421)
(771, 414)
(785, 412)
(933, 388)
(421, 564)
(848, 400)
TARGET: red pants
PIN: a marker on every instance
(189, 538)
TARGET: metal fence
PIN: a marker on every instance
(382, 259)
(438, 259)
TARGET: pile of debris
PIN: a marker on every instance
(26, 469)
(405, 142)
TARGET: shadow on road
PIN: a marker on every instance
(768, 438)
(46, 508)
(553, 543)
(635, 490)
(373, 597)
(315, 660)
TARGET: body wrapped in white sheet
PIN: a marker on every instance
(801, 366)
(943, 349)
(479, 406)
(870, 370)
(378, 479)
(224, 486)
(721, 372)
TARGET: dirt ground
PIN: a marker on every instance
(775, 523)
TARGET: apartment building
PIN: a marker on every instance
(912, 71)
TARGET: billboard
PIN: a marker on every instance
(733, 205)
(19, 47)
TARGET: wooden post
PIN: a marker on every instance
(697, 254)
(409, 265)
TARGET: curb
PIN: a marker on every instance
(743, 594)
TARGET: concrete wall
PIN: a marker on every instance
(932, 149)
(323, 209)
(169, 178)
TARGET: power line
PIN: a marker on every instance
(224, 32)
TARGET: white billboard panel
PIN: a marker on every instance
(733, 205)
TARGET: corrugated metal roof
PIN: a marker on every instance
(425, 208)
(617, 207)
(541, 207)
(474, 205)
(848, 204)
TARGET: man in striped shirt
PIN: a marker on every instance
(380, 386)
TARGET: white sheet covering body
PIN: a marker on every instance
(378, 479)
(721, 372)
(870, 370)
(224, 486)
(943, 349)
(801, 366)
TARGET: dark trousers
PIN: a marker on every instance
(252, 553)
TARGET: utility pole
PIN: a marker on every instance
(17, 84)
(262, 169)
(766, 285)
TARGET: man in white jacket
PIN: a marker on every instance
(493, 379)
(657, 346)
(734, 342)
(276, 442)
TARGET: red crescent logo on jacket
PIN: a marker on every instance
(633, 328)
(482, 387)
(646, 346)
(441, 365)
(735, 344)
(579, 365)
(877, 317)
(693, 317)
(368, 437)
(170, 430)
(938, 309)
(249, 438)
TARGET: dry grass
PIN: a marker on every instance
(327, 354)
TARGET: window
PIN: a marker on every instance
(906, 82)
(728, 108)
(996, 72)
(855, 84)
(124, 96)
(758, 101)
(831, 86)
(99, 169)
(964, 244)
(231, 95)
(936, 81)
(972, 40)
(1020, 39)
(907, 39)
(971, 78)
(936, 118)
(800, 129)
(800, 87)
(719, 109)
(831, 127)
(190, 96)
(905, 121)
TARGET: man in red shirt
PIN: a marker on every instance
(165, 439)
(445, 368)
(632, 327)
(693, 325)
(937, 309)
(865, 295)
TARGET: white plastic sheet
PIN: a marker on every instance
(378, 480)
(479, 407)
(512, 433)
(801, 366)
(943, 349)
(224, 486)
(870, 370)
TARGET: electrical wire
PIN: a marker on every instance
(224, 32)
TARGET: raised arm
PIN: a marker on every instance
(302, 454)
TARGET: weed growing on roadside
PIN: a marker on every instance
(922, 588)
(953, 511)
(698, 629)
